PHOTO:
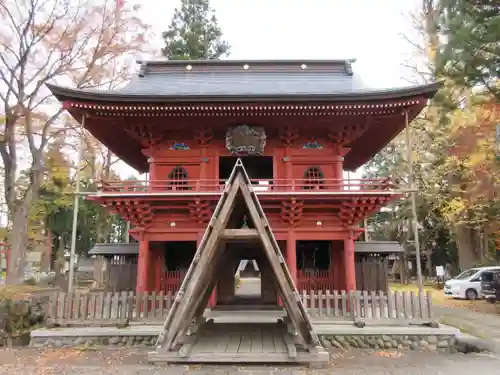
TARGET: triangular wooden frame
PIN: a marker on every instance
(193, 295)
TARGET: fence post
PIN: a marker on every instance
(328, 301)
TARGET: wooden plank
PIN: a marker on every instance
(100, 306)
(138, 299)
(234, 343)
(428, 304)
(328, 302)
(84, 306)
(391, 313)
(161, 306)
(414, 305)
(357, 304)
(290, 345)
(145, 304)
(123, 306)
(153, 305)
(114, 307)
(268, 342)
(320, 302)
(344, 304)
(64, 322)
(222, 344)
(245, 344)
(383, 304)
(365, 304)
(375, 304)
(406, 305)
(312, 298)
(314, 358)
(279, 342)
(131, 305)
(240, 234)
(256, 340)
(60, 306)
(398, 300)
(77, 306)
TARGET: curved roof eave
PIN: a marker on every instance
(62, 93)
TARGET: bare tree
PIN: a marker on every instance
(82, 43)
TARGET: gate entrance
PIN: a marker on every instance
(189, 337)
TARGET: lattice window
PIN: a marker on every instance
(178, 179)
(313, 178)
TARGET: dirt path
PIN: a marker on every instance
(127, 362)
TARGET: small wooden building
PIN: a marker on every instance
(296, 125)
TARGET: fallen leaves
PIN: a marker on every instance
(389, 354)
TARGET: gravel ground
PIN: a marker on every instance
(128, 362)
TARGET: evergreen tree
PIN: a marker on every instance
(471, 55)
(194, 33)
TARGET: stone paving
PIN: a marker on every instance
(128, 362)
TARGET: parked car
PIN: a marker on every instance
(467, 285)
(490, 286)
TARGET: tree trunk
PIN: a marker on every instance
(18, 241)
(467, 257)
(430, 270)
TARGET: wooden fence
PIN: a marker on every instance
(108, 308)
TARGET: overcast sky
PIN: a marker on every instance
(368, 30)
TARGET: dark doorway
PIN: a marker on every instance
(313, 255)
(178, 255)
(257, 167)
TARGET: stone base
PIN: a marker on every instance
(441, 343)
(72, 341)
(332, 336)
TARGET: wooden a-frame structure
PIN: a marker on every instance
(185, 323)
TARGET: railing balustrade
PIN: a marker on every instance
(259, 185)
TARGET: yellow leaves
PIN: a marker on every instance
(453, 209)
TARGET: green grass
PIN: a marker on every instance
(9, 291)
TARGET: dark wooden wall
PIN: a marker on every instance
(121, 274)
(372, 274)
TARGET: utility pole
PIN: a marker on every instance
(76, 203)
(413, 198)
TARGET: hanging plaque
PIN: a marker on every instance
(243, 140)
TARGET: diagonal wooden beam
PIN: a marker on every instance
(190, 289)
(291, 298)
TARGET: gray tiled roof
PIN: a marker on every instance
(227, 79)
(239, 83)
(115, 249)
(378, 247)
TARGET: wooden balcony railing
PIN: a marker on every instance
(260, 186)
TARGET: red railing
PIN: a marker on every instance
(260, 185)
(315, 280)
(171, 281)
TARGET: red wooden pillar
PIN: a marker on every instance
(349, 266)
(143, 266)
(291, 256)
(338, 170)
(152, 173)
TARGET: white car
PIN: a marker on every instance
(467, 285)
